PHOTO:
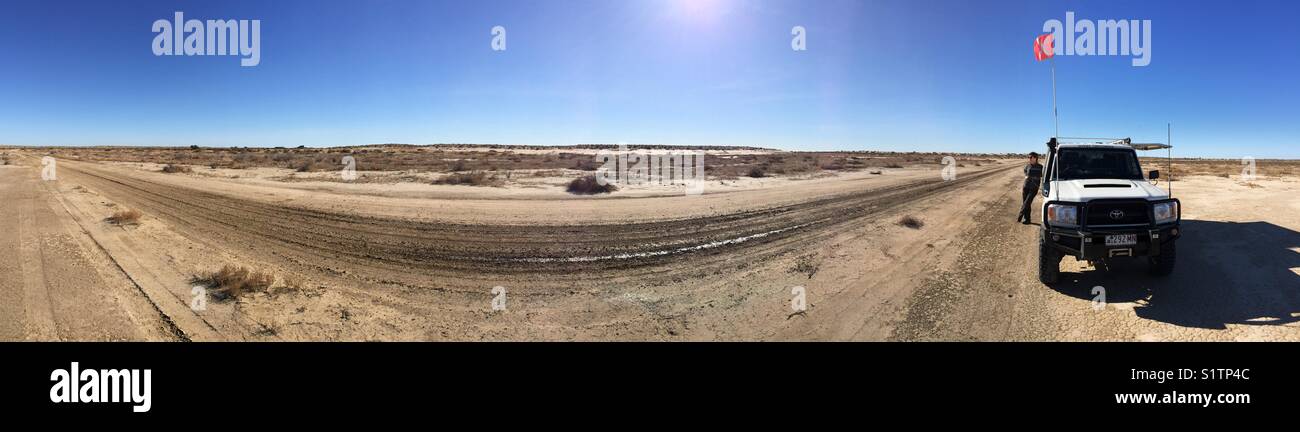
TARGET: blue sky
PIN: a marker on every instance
(923, 75)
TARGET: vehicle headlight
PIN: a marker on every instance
(1166, 212)
(1062, 214)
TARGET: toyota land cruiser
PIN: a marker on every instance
(1098, 207)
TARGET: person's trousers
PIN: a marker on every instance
(1028, 199)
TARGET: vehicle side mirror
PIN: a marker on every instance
(1154, 174)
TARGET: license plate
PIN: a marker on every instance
(1121, 240)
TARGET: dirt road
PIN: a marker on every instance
(56, 283)
(725, 266)
(386, 278)
(359, 242)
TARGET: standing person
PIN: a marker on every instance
(1033, 176)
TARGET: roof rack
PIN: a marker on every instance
(1119, 141)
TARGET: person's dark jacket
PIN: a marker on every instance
(1033, 175)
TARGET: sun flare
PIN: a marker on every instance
(698, 10)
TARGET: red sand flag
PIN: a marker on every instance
(1044, 47)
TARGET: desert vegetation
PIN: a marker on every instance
(232, 282)
(125, 217)
(588, 185)
(173, 169)
(910, 221)
(746, 162)
(1226, 168)
(471, 178)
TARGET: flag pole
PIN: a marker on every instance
(1055, 115)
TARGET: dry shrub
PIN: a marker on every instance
(232, 282)
(587, 185)
(173, 169)
(125, 217)
(472, 178)
(757, 172)
(292, 283)
(807, 265)
(911, 222)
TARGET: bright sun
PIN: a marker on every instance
(698, 10)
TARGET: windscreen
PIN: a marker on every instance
(1098, 163)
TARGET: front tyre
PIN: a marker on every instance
(1163, 264)
(1049, 260)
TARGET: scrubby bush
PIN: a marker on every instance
(173, 169)
(125, 217)
(472, 178)
(587, 185)
(232, 282)
(911, 222)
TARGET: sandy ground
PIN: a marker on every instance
(1237, 279)
(423, 263)
(56, 283)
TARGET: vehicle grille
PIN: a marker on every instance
(1099, 213)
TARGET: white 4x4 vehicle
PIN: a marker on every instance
(1097, 207)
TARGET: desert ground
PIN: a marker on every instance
(486, 243)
